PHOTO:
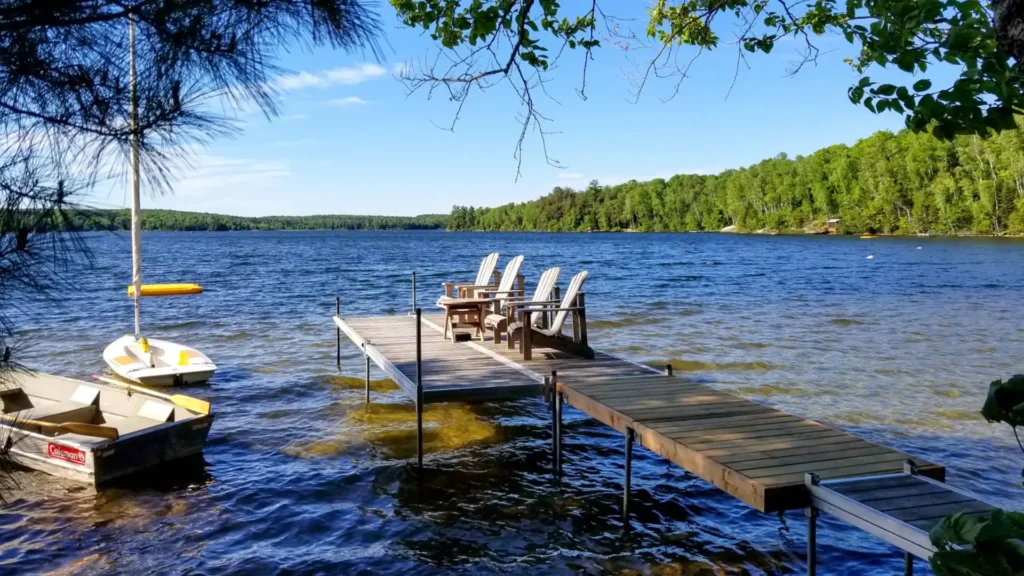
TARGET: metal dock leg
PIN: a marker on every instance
(629, 473)
(419, 393)
(367, 359)
(558, 425)
(908, 564)
(812, 540)
(337, 330)
(413, 291)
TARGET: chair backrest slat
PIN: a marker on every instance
(575, 285)
(487, 265)
(545, 286)
(508, 279)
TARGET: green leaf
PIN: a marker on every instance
(922, 85)
(1003, 401)
(885, 90)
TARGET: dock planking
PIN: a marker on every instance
(751, 451)
(472, 370)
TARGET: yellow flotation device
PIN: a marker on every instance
(166, 290)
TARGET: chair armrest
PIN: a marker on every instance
(554, 309)
(475, 287)
(521, 303)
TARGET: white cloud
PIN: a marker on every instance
(570, 176)
(345, 75)
(349, 101)
(213, 176)
(400, 68)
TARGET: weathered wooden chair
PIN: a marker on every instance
(505, 289)
(528, 335)
(485, 276)
(504, 315)
(470, 307)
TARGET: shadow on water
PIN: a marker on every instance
(184, 474)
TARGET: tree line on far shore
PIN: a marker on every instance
(900, 183)
(173, 220)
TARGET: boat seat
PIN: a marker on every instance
(133, 424)
(58, 412)
(152, 413)
(80, 408)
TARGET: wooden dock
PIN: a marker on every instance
(472, 370)
(751, 451)
(756, 453)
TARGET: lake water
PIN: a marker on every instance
(299, 476)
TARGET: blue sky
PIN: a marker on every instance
(351, 141)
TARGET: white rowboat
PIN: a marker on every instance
(165, 364)
(150, 430)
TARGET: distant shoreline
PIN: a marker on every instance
(639, 232)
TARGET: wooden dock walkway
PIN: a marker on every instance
(472, 370)
(760, 455)
(751, 451)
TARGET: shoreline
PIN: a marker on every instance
(731, 233)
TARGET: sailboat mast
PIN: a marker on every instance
(136, 215)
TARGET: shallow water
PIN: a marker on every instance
(300, 476)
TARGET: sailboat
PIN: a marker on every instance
(149, 361)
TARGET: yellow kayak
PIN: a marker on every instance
(865, 237)
(166, 290)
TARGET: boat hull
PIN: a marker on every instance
(151, 430)
(166, 364)
(122, 457)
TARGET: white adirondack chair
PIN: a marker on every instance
(503, 315)
(527, 334)
(484, 277)
(506, 288)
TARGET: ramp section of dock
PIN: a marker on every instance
(754, 452)
(450, 372)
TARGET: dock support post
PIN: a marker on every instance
(668, 369)
(558, 423)
(812, 540)
(419, 393)
(413, 291)
(366, 358)
(908, 564)
(629, 473)
(811, 479)
(337, 329)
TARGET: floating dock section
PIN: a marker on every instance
(771, 460)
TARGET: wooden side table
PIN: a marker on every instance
(459, 312)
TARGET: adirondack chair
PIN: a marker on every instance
(506, 288)
(527, 334)
(484, 277)
(504, 314)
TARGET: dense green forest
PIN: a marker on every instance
(901, 183)
(172, 220)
